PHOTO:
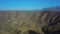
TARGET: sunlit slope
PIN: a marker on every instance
(10, 21)
(22, 22)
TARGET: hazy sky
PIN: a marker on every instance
(27, 4)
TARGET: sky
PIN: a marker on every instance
(27, 4)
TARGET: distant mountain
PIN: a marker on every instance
(57, 8)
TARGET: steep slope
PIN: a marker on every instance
(24, 22)
(48, 21)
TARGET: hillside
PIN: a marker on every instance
(28, 22)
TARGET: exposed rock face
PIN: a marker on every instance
(15, 22)
(49, 22)
(52, 20)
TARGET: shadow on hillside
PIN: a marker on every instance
(49, 32)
